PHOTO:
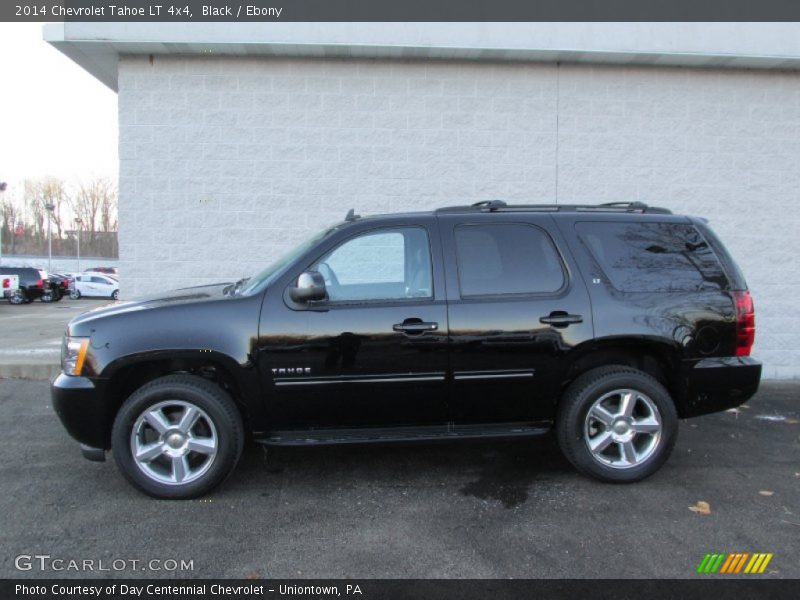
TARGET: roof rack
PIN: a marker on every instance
(501, 206)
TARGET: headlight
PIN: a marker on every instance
(73, 354)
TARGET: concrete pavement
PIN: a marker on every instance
(30, 335)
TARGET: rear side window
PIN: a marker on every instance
(733, 271)
(506, 259)
(653, 257)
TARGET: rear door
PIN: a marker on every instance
(516, 306)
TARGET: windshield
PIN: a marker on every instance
(276, 267)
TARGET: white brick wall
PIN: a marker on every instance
(225, 163)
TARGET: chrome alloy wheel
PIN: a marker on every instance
(174, 442)
(622, 429)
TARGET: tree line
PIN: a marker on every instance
(86, 209)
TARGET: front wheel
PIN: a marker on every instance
(177, 437)
(74, 294)
(18, 297)
(617, 424)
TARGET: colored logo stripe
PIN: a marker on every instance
(734, 562)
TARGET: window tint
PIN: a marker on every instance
(388, 264)
(506, 259)
(99, 280)
(653, 257)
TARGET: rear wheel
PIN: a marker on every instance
(115, 295)
(177, 437)
(617, 424)
(48, 297)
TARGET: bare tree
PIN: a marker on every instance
(11, 216)
(95, 204)
(108, 209)
(24, 218)
(41, 192)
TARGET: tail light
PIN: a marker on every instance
(6, 283)
(40, 283)
(745, 323)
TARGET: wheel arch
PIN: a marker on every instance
(125, 376)
(656, 357)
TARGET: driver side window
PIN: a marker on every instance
(387, 264)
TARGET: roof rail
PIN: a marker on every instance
(501, 206)
(489, 204)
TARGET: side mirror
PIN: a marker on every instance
(310, 287)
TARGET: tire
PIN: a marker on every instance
(169, 398)
(628, 445)
(48, 297)
(74, 294)
(115, 295)
(18, 297)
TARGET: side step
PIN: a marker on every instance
(367, 435)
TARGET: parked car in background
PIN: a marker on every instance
(33, 284)
(94, 285)
(105, 270)
(59, 287)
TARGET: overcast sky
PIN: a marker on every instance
(55, 118)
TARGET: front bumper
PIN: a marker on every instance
(79, 404)
(717, 384)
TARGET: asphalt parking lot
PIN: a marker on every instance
(511, 509)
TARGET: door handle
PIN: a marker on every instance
(560, 318)
(414, 326)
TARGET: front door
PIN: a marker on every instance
(374, 354)
(514, 313)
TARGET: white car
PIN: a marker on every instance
(94, 284)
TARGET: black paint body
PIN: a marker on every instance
(491, 360)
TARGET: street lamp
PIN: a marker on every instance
(3, 188)
(50, 208)
(78, 223)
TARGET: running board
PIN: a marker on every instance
(310, 437)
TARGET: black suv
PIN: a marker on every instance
(33, 284)
(606, 323)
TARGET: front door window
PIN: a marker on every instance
(383, 265)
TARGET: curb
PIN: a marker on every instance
(28, 370)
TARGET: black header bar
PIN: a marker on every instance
(398, 10)
(416, 589)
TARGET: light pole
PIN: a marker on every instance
(3, 187)
(78, 223)
(50, 208)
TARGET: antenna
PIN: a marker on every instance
(351, 215)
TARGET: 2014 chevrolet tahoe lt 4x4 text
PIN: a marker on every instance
(606, 323)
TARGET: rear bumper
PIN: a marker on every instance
(79, 404)
(717, 384)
